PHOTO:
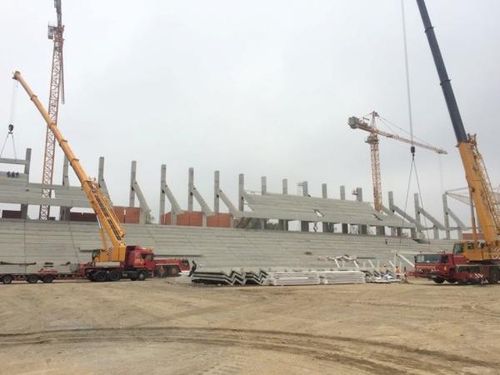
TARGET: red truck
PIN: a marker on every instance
(454, 268)
(139, 264)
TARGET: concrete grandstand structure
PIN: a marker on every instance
(261, 230)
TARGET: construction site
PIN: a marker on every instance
(142, 268)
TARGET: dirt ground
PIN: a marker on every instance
(171, 327)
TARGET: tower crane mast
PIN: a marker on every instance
(56, 93)
(373, 141)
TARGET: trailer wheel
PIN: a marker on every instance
(32, 279)
(99, 276)
(7, 279)
(142, 275)
(47, 279)
(114, 275)
(438, 280)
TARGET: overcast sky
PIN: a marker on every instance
(263, 88)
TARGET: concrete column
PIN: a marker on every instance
(163, 182)
(263, 185)
(216, 191)
(283, 224)
(363, 229)
(324, 191)
(28, 162)
(64, 212)
(345, 227)
(100, 171)
(190, 189)
(446, 216)
(131, 196)
(241, 189)
(65, 168)
(24, 207)
(284, 184)
(65, 180)
(327, 227)
(305, 189)
(359, 194)
(304, 225)
(418, 217)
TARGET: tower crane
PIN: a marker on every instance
(56, 93)
(373, 141)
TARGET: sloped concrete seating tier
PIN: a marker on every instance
(60, 242)
(293, 207)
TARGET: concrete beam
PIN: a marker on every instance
(230, 206)
(145, 217)
(203, 204)
(421, 211)
(403, 214)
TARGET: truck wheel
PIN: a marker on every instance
(494, 276)
(451, 281)
(99, 276)
(173, 271)
(438, 280)
(142, 275)
(47, 279)
(32, 279)
(7, 279)
(114, 275)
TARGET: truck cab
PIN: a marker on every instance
(138, 257)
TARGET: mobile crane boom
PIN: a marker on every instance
(110, 227)
(476, 174)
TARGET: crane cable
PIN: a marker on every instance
(413, 166)
(10, 131)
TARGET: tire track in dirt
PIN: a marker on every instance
(371, 356)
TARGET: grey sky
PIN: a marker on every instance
(260, 87)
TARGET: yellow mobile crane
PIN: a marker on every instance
(470, 256)
(110, 262)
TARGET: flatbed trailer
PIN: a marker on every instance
(140, 265)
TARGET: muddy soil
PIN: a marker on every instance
(171, 327)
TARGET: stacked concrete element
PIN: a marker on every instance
(282, 278)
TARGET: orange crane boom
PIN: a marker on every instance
(373, 141)
(110, 227)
